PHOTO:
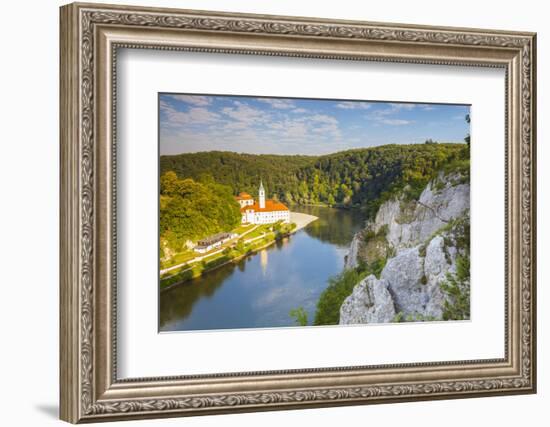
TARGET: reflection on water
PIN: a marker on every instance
(263, 261)
(336, 226)
(260, 290)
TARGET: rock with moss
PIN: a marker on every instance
(420, 242)
(412, 222)
(370, 302)
(410, 283)
(352, 258)
(404, 223)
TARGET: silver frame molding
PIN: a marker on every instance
(90, 37)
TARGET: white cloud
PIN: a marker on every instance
(387, 116)
(325, 125)
(303, 127)
(323, 118)
(299, 110)
(201, 115)
(196, 100)
(245, 113)
(396, 122)
(353, 105)
(235, 125)
(399, 106)
(195, 115)
(326, 129)
(281, 104)
(295, 130)
(378, 115)
(277, 125)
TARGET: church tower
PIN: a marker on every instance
(261, 196)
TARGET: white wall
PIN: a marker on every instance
(29, 170)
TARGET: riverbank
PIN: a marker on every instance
(326, 205)
(234, 251)
(301, 220)
(254, 292)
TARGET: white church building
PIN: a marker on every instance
(263, 211)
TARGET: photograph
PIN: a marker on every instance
(281, 212)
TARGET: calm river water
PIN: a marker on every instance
(260, 290)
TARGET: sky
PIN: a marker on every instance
(262, 125)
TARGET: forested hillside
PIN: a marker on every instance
(355, 178)
(191, 210)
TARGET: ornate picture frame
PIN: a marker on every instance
(90, 37)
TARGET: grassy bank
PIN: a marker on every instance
(260, 238)
(189, 254)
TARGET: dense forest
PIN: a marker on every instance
(356, 178)
(190, 210)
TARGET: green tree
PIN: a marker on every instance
(191, 210)
(299, 315)
(332, 298)
(169, 183)
(457, 291)
(240, 246)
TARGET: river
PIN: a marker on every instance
(261, 289)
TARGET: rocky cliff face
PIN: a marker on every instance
(352, 258)
(421, 241)
(410, 223)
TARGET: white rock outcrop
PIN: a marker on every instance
(370, 302)
(412, 223)
(409, 284)
(408, 224)
(425, 252)
(351, 259)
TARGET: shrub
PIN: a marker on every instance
(299, 315)
(398, 318)
(339, 288)
(457, 291)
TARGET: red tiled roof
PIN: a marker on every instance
(243, 196)
(270, 206)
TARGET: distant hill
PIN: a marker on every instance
(356, 178)
(242, 172)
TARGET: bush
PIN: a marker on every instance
(398, 318)
(184, 276)
(376, 267)
(216, 262)
(339, 288)
(299, 315)
(457, 291)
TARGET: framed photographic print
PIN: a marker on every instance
(264, 212)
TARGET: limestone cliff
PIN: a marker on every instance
(420, 241)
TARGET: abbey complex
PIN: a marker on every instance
(262, 211)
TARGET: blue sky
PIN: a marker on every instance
(192, 123)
